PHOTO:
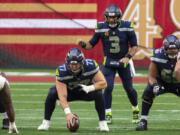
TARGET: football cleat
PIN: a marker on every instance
(135, 115)
(44, 126)
(142, 125)
(103, 127)
(5, 124)
(109, 118)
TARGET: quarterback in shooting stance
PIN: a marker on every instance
(119, 46)
(6, 101)
(77, 79)
(161, 76)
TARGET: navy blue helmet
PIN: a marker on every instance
(171, 42)
(113, 11)
(75, 56)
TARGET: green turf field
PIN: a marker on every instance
(28, 100)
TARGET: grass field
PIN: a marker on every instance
(28, 100)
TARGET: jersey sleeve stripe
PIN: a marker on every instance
(91, 72)
(101, 30)
(125, 29)
(64, 78)
(158, 60)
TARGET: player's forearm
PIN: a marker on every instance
(7, 102)
(63, 103)
(62, 94)
(99, 81)
(177, 70)
(63, 99)
(151, 78)
(151, 81)
(152, 73)
(100, 85)
(133, 50)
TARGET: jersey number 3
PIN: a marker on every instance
(115, 44)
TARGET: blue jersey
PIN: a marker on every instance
(115, 41)
(64, 75)
(165, 68)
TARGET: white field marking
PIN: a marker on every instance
(95, 118)
(96, 128)
(85, 110)
(33, 89)
(29, 74)
(39, 95)
(32, 83)
(136, 75)
(52, 74)
(80, 102)
(51, 83)
(28, 95)
(28, 102)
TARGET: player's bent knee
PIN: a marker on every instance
(2, 82)
(147, 99)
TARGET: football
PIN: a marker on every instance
(75, 124)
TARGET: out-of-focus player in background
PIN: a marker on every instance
(119, 46)
(5, 99)
(77, 79)
(5, 120)
(161, 76)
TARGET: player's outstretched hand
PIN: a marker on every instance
(13, 128)
(81, 43)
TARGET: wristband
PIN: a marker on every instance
(67, 110)
(128, 56)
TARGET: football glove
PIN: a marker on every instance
(157, 89)
(82, 43)
(86, 88)
(13, 128)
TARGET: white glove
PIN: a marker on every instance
(12, 128)
(86, 88)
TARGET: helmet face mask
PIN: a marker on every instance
(75, 60)
(112, 16)
(171, 45)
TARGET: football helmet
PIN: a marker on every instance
(75, 56)
(114, 12)
(171, 45)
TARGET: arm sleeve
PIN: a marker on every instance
(132, 35)
(95, 39)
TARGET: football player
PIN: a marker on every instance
(161, 77)
(77, 79)
(5, 122)
(116, 34)
(5, 99)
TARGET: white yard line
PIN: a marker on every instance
(81, 102)
(95, 118)
(85, 110)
